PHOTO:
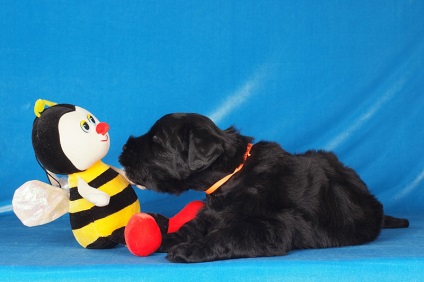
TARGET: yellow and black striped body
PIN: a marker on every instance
(101, 227)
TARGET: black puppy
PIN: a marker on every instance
(268, 201)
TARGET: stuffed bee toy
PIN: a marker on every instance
(69, 140)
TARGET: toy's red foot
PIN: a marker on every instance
(187, 214)
(142, 235)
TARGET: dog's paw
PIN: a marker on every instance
(169, 241)
(189, 252)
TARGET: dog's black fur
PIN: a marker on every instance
(277, 202)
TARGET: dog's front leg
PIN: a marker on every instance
(188, 232)
(236, 239)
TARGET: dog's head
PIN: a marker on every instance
(176, 147)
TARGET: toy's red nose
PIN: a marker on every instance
(102, 128)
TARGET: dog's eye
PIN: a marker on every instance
(157, 141)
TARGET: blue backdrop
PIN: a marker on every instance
(342, 76)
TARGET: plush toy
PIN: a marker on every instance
(69, 140)
(143, 233)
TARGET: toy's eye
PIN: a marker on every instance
(85, 126)
(91, 119)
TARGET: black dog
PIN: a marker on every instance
(275, 203)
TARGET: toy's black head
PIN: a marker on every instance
(46, 140)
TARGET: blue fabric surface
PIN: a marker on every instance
(347, 77)
(51, 253)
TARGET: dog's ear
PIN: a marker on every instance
(204, 148)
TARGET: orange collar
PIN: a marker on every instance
(221, 182)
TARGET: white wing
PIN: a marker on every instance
(36, 203)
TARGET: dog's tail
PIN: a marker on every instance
(394, 222)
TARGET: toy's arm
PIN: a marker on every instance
(93, 195)
(122, 172)
(36, 203)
